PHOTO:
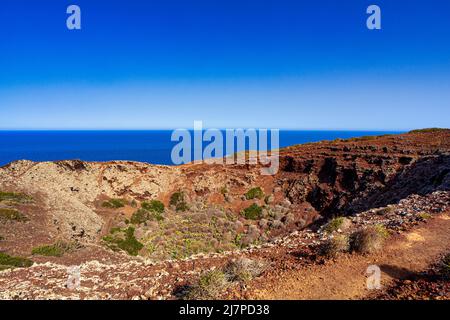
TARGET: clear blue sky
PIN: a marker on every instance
(249, 63)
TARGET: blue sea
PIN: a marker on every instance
(153, 146)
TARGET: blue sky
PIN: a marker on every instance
(278, 64)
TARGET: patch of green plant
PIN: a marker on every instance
(114, 203)
(224, 190)
(334, 224)
(124, 240)
(253, 212)
(14, 197)
(154, 206)
(382, 231)
(424, 215)
(178, 199)
(254, 193)
(142, 216)
(7, 261)
(54, 250)
(12, 215)
(2, 238)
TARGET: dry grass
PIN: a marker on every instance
(244, 269)
(209, 286)
(12, 215)
(335, 245)
(368, 240)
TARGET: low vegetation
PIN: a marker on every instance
(14, 197)
(254, 193)
(123, 239)
(368, 240)
(209, 286)
(178, 200)
(7, 262)
(153, 206)
(253, 212)
(427, 130)
(12, 215)
(57, 249)
(340, 223)
(144, 215)
(114, 203)
(332, 247)
(445, 266)
(424, 216)
(244, 269)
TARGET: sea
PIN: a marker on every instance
(152, 146)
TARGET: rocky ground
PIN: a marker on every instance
(139, 231)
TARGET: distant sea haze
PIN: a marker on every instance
(153, 146)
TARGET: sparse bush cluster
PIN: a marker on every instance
(178, 200)
(333, 246)
(12, 215)
(368, 240)
(253, 212)
(115, 203)
(57, 249)
(14, 197)
(211, 284)
(340, 223)
(363, 241)
(153, 206)
(7, 262)
(244, 269)
(152, 210)
(254, 193)
(123, 239)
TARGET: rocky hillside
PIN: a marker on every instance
(74, 212)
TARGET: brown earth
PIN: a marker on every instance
(346, 277)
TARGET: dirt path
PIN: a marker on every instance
(346, 277)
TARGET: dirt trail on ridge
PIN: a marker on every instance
(346, 277)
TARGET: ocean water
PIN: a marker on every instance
(153, 146)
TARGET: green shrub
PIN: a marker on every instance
(7, 261)
(368, 240)
(178, 199)
(124, 240)
(253, 212)
(14, 197)
(254, 193)
(54, 250)
(114, 203)
(209, 286)
(12, 215)
(154, 206)
(142, 216)
(336, 224)
(424, 216)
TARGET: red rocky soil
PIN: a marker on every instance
(407, 175)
